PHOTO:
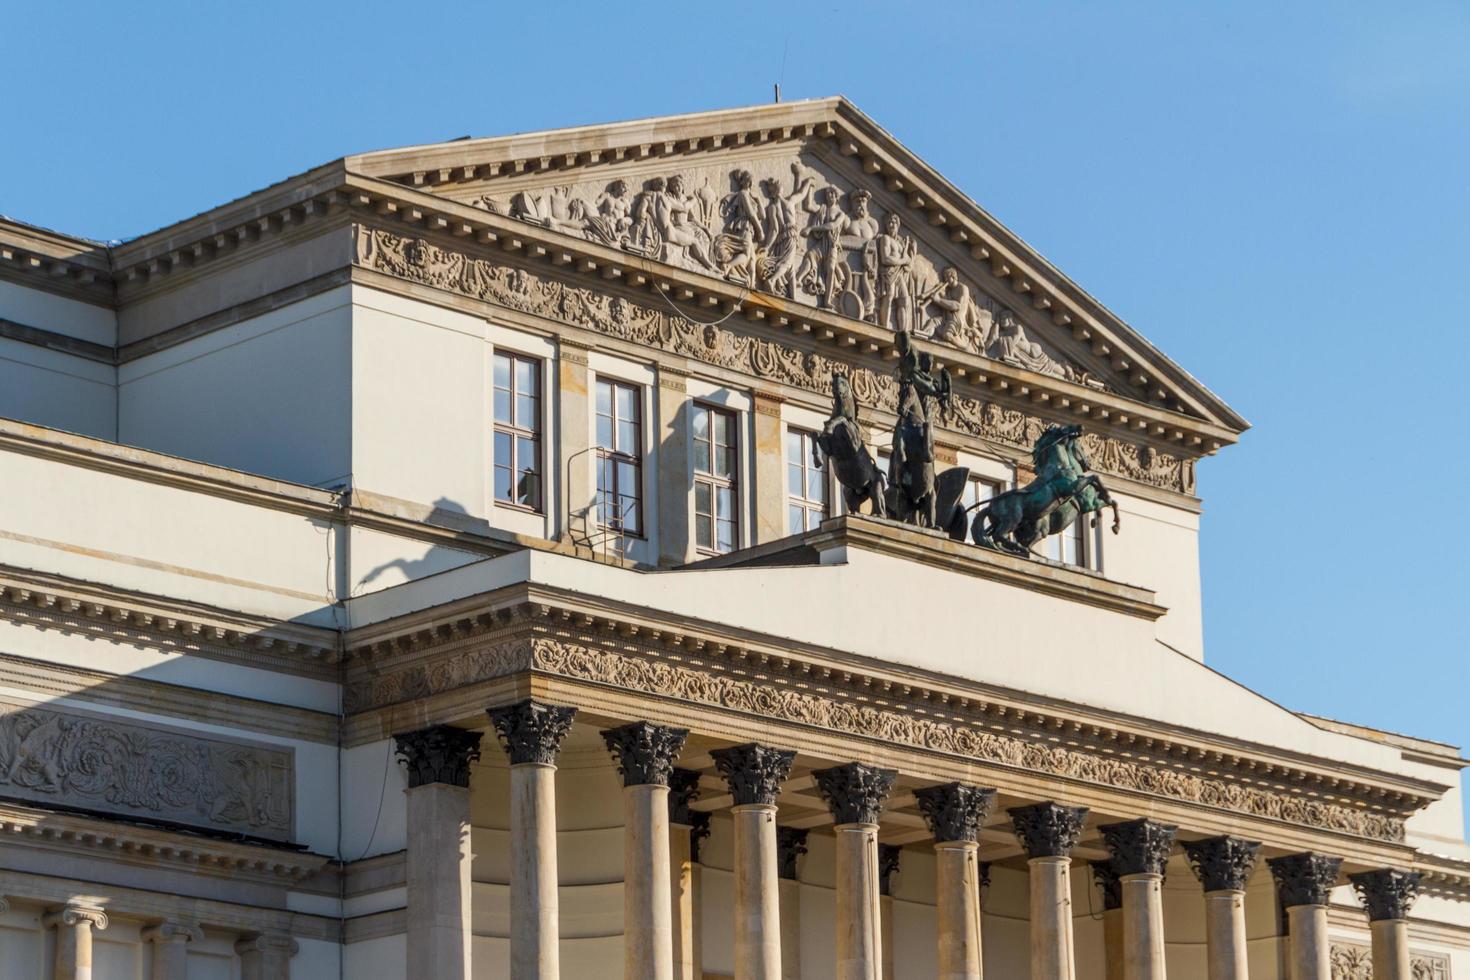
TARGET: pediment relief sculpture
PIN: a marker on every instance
(787, 227)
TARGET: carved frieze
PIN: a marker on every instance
(832, 713)
(421, 261)
(1353, 961)
(88, 762)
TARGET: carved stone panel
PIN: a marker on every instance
(1352, 961)
(96, 763)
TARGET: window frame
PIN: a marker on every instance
(517, 432)
(712, 480)
(611, 455)
(806, 504)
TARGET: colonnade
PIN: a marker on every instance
(662, 836)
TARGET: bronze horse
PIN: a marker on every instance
(842, 441)
(1063, 491)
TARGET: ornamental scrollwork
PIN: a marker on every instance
(419, 260)
(52, 757)
(1351, 961)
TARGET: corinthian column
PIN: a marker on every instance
(1305, 882)
(855, 794)
(890, 857)
(1140, 850)
(645, 755)
(754, 774)
(531, 734)
(1048, 832)
(1223, 866)
(1112, 896)
(74, 925)
(170, 942)
(955, 813)
(266, 956)
(790, 846)
(438, 862)
(1387, 895)
(683, 791)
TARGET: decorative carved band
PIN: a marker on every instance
(1222, 863)
(645, 752)
(790, 845)
(779, 702)
(1048, 829)
(754, 772)
(954, 811)
(530, 731)
(1107, 881)
(1139, 846)
(683, 790)
(441, 754)
(855, 792)
(418, 260)
(890, 856)
(56, 758)
(1351, 961)
(1387, 893)
(1305, 879)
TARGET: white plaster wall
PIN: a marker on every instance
(383, 958)
(374, 811)
(58, 314)
(1158, 548)
(269, 395)
(59, 390)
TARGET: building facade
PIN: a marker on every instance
(421, 568)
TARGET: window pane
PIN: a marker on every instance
(627, 478)
(627, 403)
(627, 437)
(725, 462)
(701, 498)
(525, 411)
(502, 483)
(703, 534)
(795, 519)
(817, 487)
(630, 515)
(701, 457)
(525, 377)
(502, 406)
(604, 398)
(794, 448)
(813, 519)
(503, 443)
(725, 503)
(604, 431)
(724, 429)
(528, 489)
(726, 531)
(701, 423)
(502, 371)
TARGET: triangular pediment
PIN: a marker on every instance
(796, 201)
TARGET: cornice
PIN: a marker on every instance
(1443, 876)
(56, 263)
(69, 834)
(455, 644)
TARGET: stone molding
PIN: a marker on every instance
(1109, 883)
(790, 845)
(1387, 893)
(1222, 863)
(683, 791)
(1139, 846)
(100, 763)
(1048, 829)
(954, 811)
(439, 754)
(532, 732)
(268, 944)
(76, 915)
(417, 259)
(1353, 961)
(645, 752)
(1305, 879)
(754, 772)
(854, 792)
(788, 693)
(890, 859)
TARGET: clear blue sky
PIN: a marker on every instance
(1276, 194)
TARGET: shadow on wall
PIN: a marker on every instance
(446, 514)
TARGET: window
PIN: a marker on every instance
(1078, 545)
(977, 491)
(806, 486)
(517, 383)
(620, 457)
(716, 465)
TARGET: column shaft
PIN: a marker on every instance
(790, 903)
(1391, 950)
(74, 925)
(438, 880)
(1113, 944)
(1310, 949)
(757, 903)
(534, 904)
(1225, 935)
(957, 870)
(1143, 926)
(267, 957)
(681, 886)
(885, 946)
(170, 944)
(859, 946)
(1052, 946)
(648, 951)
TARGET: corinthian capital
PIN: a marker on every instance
(855, 792)
(441, 754)
(683, 791)
(531, 732)
(645, 752)
(1222, 863)
(790, 845)
(754, 772)
(173, 932)
(1387, 893)
(1139, 846)
(1048, 829)
(1107, 881)
(1304, 879)
(954, 811)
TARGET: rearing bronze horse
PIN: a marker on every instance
(841, 440)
